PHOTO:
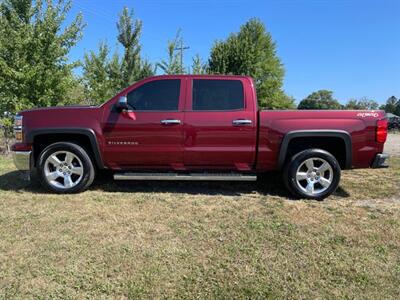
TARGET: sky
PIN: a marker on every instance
(351, 47)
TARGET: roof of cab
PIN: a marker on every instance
(200, 75)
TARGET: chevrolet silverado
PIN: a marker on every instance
(196, 127)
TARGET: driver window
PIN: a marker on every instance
(158, 95)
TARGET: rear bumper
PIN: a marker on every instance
(380, 161)
(22, 160)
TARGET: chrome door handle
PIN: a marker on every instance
(170, 122)
(241, 122)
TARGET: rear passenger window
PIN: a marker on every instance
(211, 94)
(159, 95)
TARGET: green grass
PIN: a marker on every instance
(200, 240)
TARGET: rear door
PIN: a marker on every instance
(150, 135)
(220, 123)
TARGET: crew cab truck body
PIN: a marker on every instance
(196, 127)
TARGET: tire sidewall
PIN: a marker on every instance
(88, 169)
(298, 159)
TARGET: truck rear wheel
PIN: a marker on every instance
(65, 168)
(312, 174)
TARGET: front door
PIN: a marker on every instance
(220, 124)
(150, 134)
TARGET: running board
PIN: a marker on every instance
(192, 176)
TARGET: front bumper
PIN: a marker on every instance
(380, 161)
(22, 160)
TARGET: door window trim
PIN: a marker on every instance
(180, 83)
(190, 97)
(182, 94)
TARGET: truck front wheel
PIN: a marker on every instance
(65, 168)
(312, 174)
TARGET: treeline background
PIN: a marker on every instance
(35, 70)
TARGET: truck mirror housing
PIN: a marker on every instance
(122, 103)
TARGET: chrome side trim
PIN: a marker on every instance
(187, 177)
(22, 160)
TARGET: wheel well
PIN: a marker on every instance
(334, 145)
(40, 142)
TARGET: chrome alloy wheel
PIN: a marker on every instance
(63, 169)
(314, 176)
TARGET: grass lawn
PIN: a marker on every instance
(200, 240)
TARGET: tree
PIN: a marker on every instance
(146, 69)
(321, 99)
(198, 67)
(96, 75)
(282, 102)
(6, 126)
(173, 65)
(252, 52)
(103, 76)
(363, 103)
(76, 93)
(128, 35)
(392, 106)
(34, 47)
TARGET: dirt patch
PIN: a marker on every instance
(392, 145)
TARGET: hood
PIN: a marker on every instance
(61, 116)
(53, 108)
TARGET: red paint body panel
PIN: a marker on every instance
(138, 139)
(149, 144)
(204, 139)
(361, 126)
(210, 139)
(64, 117)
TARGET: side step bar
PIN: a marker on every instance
(192, 176)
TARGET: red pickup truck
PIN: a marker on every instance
(190, 127)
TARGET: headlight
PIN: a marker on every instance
(18, 128)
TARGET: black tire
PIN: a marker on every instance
(85, 179)
(300, 188)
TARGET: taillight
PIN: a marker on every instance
(18, 128)
(381, 131)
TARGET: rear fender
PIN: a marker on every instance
(345, 136)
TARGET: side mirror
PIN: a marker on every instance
(122, 104)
